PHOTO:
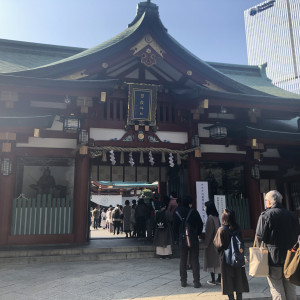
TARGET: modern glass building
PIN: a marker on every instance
(273, 37)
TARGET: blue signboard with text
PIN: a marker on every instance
(141, 103)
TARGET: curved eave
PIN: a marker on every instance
(21, 81)
(89, 56)
(201, 92)
(44, 121)
(271, 134)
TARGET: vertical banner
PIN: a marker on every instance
(202, 197)
(220, 203)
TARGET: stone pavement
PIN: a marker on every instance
(147, 279)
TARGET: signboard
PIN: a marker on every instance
(142, 104)
(220, 203)
(202, 197)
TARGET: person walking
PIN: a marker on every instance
(127, 218)
(278, 228)
(172, 205)
(96, 215)
(132, 219)
(103, 219)
(116, 217)
(186, 216)
(163, 233)
(211, 262)
(233, 279)
(141, 212)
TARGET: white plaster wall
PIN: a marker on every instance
(106, 134)
(49, 143)
(271, 153)
(203, 132)
(220, 149)
(173, 137)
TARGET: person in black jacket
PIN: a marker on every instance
(278, 228)
(196, 226)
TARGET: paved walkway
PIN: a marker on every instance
(146, 279)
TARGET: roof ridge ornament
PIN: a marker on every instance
(148, 50)
(150, 10)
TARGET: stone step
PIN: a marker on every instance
(75, 254)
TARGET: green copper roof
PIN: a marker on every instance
(254, 77)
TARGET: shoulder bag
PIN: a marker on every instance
(291, 267)
(258, 260)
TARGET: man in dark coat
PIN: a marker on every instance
(196, 226)
(278, 228)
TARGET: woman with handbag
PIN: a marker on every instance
(211, 259)
(233, 278)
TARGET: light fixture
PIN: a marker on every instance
(195, 141)
(103, 97)
(255, 171)
(67, 99)
(83, 137)
(71, 124)
(6, 165)
(36, 133)
(217, 131)
(223, 110)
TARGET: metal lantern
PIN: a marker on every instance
(6, 165)
(71, 124)
(195, 141)
(255, 172)
(217, 131)
(83, 137)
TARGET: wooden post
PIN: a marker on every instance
(253, 193)
(81, 198)
(194, 175)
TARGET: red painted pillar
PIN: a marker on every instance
(194, 175)
(6, 199)
(81, 198)
(253, 193)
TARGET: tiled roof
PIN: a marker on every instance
(18, 56)
(254, 77)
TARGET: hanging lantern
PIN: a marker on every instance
(255, 172)
(217, 131)
(195, 141)
(6, 165)
(83, 137)
(71, 124)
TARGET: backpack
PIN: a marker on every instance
(234, 254)
(185, 230)
(116, 214)
(161, 223)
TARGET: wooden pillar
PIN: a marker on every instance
(81, 198)
(194, 175)
(7, 184)
(253, 193)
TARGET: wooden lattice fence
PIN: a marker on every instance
(42, 215)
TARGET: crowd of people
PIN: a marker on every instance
(174, 221)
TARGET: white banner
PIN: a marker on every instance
(220, 203)
(202, 197)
